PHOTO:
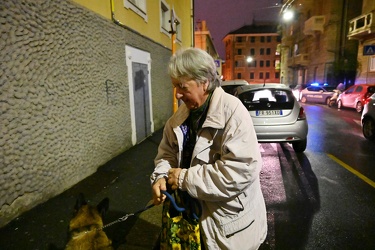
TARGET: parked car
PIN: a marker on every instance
(277, 115)
(230, 85)
(318, 94)
(355, 96)
(368, 118)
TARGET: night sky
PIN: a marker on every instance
(224, 16)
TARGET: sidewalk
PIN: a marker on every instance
(124, 180)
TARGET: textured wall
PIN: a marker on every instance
(64, 98)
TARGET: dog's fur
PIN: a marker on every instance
(85, 228)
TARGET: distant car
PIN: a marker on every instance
(230, 85)
(355, 96)
(277, 115)
(317, 94)
(368, 118)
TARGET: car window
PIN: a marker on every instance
(267, 99)
(313, 89)
(329, 88)
(358, 89)
(350, 90)
(371, 89)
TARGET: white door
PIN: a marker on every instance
(139, 66)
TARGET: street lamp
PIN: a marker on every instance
(288, 15)
(249, 59)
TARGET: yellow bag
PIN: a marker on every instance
(178, 230)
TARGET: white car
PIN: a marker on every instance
(368, 119)
(317, 94)
(277, 115)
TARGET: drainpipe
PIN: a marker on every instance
(113, 14)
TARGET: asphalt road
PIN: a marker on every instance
(323, 198)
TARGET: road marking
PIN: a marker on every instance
(361, 176)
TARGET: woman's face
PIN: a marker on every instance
(190, 92)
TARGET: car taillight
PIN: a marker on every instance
(301, 115)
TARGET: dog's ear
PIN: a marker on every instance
(80, 202)
(103, 207)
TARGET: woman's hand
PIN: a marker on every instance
(173, 175)
(157, 196)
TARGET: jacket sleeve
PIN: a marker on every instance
(237, 166)
(167, 156)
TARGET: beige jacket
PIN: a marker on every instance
(224, 172)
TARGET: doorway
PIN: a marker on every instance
(139, 66)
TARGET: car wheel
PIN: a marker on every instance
(368, 129)
(303, 99)
(339, 104)
(359, 107)
(299, 146)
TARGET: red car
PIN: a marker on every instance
(355, 96)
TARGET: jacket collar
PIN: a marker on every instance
(215, 114)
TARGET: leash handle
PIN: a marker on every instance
(179, 209)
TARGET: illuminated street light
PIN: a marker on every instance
(249, 59)
(288, 15)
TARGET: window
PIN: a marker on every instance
(251, 75)
(262, 51)
(252, 52)
(261, 75)
(268, 51)
(261, 63)
(268, 63)
(277, 75)
(239, 39)
(252, 39)
(239, 52)
(267, 75)
(262, 39)
(165, 15)
(178, 27)
(269, 38)
(372, 63)
(239, 76)
(138, 6)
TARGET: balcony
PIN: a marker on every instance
(299, 60)
(314, 24)
(362, 26)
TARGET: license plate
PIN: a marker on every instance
(268, 112)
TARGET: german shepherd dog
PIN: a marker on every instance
(85, 228)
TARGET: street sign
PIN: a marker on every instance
(217, 63)
(368, 50)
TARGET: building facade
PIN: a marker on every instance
(362, 29)
(203, 40)
(251, 54)
(80, 82)
(314, 47)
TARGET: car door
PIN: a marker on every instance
(354, 96)
(312, 93)
(346, 97)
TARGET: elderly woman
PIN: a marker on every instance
(210, 151)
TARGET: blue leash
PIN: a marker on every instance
(182, 209)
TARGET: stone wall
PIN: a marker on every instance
(64, 97)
